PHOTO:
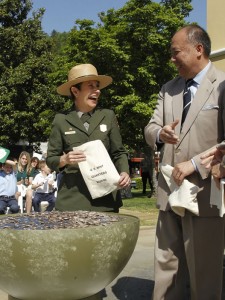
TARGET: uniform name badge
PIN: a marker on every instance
(70, 132)
(103, 127)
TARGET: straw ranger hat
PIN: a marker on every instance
(81, 73)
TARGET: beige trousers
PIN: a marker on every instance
(188, 257)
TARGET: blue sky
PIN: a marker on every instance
(61, 14)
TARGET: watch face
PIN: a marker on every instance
(4, 153)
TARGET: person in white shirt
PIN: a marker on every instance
(8, 188)
(44, 186)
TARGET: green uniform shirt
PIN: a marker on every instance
(68, 131)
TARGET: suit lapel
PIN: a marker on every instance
(74, 120)
(201, 97)
(96, 118)
(177, 105)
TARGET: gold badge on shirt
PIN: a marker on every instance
(103, 127)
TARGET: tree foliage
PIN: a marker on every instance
(25, 60)
(131, 44)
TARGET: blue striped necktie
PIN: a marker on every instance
(187, 98)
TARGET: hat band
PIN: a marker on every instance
(83, 77)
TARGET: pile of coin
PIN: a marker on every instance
(57, 220)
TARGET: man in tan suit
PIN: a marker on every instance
(189, 249)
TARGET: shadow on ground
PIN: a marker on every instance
(131, 288)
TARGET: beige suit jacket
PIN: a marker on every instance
(203, 128)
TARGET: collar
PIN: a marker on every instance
(198, 78)
(80, 113)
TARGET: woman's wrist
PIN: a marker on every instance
(62, 161)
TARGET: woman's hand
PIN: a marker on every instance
(124, 180)
(72, 158)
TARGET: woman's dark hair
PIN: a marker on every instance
(34, 158)
(78, 86)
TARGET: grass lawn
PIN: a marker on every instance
(142, 207)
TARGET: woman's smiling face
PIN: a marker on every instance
(86, 98)
(23, 160)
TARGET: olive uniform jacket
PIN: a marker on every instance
(68, 131)
(202, 129)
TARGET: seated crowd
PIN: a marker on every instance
(29, 178)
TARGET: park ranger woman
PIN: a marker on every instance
(86, 122)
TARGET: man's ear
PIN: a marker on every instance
(200, 49)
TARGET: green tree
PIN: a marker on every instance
(132, 44)
(25, 63)
(59, 41)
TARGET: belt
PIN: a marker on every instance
(7, 197)
(39, 193)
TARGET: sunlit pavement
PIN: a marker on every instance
(135, 282)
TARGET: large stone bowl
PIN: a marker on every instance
(65, 264)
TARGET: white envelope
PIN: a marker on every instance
(182, 197)
(98, 170)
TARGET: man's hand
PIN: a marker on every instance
(218, 172)
(182, 170)
(167, 134)
(212, 158)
